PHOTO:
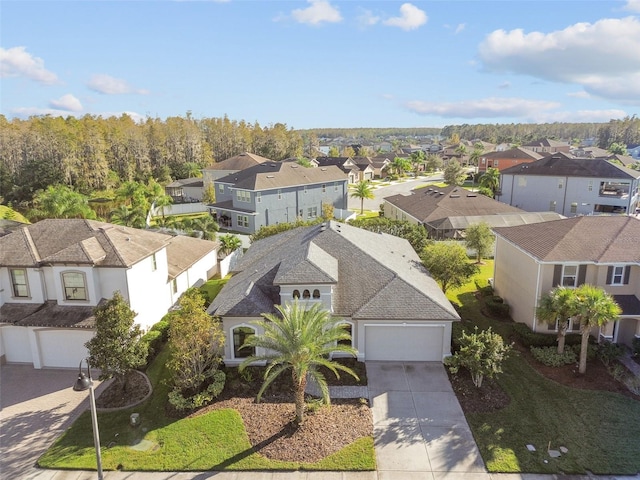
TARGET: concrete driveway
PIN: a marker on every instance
(36, 407)
(419, 426)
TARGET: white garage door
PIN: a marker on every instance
(404, 343)
(15, 344)
(63, 348)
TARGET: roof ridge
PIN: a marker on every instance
(32, 246)
(113, 247)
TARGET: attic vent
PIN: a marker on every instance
(471, 195)
(454, 196)
(323, 169)
(271, 176)
(273, 165)
(440, 193)
(294, 166)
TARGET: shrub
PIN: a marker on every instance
(549, 356)
(608, 352)
(592, 350)
(152, 341)
(531, 339)
(184, 402)
(484, 290)
(163, 327)
(497, 307)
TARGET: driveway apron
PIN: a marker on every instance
(418, 423)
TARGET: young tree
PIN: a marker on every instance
(454, 173)
(555, 308)
(327, 211)
(196, 343)
(399, 165)
(490, 180)
(434, 162)
(482, 353)
(417, 159)
(448, 264)
(594, 308)
(479, 238)
(209, 194)
(333, 152)
(229, 244)
(115, 348)
(300, 340)
(415, 234)
(363, 190)
(618, 148)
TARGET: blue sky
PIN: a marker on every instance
(323, 63)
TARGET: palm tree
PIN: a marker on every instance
(60, 201)
(206, 225)
(595, 308)
(129, 217)
(363, 190)
(229, 243)
(555, 308)
(399, 165)
(490, 180)
(300, 340)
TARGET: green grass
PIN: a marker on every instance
(212, 441)
(212, 287)
(600, 429)
(11, 214)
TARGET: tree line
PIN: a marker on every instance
(94, 153)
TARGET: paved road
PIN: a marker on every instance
(380, 193)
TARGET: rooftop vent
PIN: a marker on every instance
(454, 196)
(471, 195)
(271, 176)
(440, 193)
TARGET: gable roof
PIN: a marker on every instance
(546, 142)
(238, 162)
(431, 204)
(88, 242)
(559, 164)
(598, 239)
(270, 175)
(373, 275)
(514, 153)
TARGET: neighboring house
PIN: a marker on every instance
(590, 152)
(374, 283)
(634, 151)
(277, 192)
(55, 272)
(447, 212)
(547, 145)
(570, 186)
(231, 165)
(186, 190)
(530, 260)
(367, 169)
(356, 170)
(379, 164)
(506, 159)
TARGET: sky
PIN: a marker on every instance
(323, 63)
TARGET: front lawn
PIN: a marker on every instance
(599, 429)
(216, 440)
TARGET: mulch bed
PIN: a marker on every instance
(488, 398)
(116, 395)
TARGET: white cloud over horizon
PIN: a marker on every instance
(17, 62)
(411, 17)
(612, 47)
(491, 107)
(108, 85)
(318, 12)
(67, 102)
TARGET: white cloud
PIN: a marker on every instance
(580, 94)
(318, 12)
(367, 18)
(66, 102)
(109, 85)
(460, 27)
(411, 17)
(603, 57)
(633, 5)
(17, 62)
(492, 107)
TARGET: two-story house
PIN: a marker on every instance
(547, 145)
(603, 251)
(231, 165)
(374, 283)
(506, 159)
(55, 272)
(356, 170)
(570, 186)
(277, 192)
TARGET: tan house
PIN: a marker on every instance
(506, 159)
(603, 251)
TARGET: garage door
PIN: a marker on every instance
(404, 343)
(15, 344)
(63, 348)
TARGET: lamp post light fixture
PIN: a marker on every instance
(83, 383)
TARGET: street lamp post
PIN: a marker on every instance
(83, 383)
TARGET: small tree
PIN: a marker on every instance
(115, 348)
(196, 343)
(453, 173)
(363, 190)
(327, 211)
(555, 308)
(448, 264)
(229, 243)
(434, 162)
(209, 194)
(479, 237)
(490, 180)
(482, 353)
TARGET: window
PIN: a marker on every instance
(305, 189)
(221, 188)
(312, 212)
(258, 197)
(74, 286)
(335, 187)
(154, 262)
(296, 294)
(574, 207)
(569, 276)
(243, 221)
(522, 181)
(618, 275)
(495, 163)
(552, 206)
(174, 285)
(590, 186)
(243, 196)
(306, 294)
(316, 293)
(240, 336)
(279, 194)
(324, 188)
(19, 282)
(560, 182)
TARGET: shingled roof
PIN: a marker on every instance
(270, 175)
(238, 162)
(558, 164)
(597, 239)
(374, 275)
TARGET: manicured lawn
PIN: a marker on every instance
(213, 441)
(212, 287)
(599, 429)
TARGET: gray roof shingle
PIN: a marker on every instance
(272, 175)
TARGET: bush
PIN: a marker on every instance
(184, 403)
(163, 327)
(549, 356)
(531, 339)
(497, 307)
(484, 290)
(592, 350)
(152, 341)
(608, 352)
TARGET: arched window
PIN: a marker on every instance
(306, 294)
(316, 293)
(240, 335)
(296, 294)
